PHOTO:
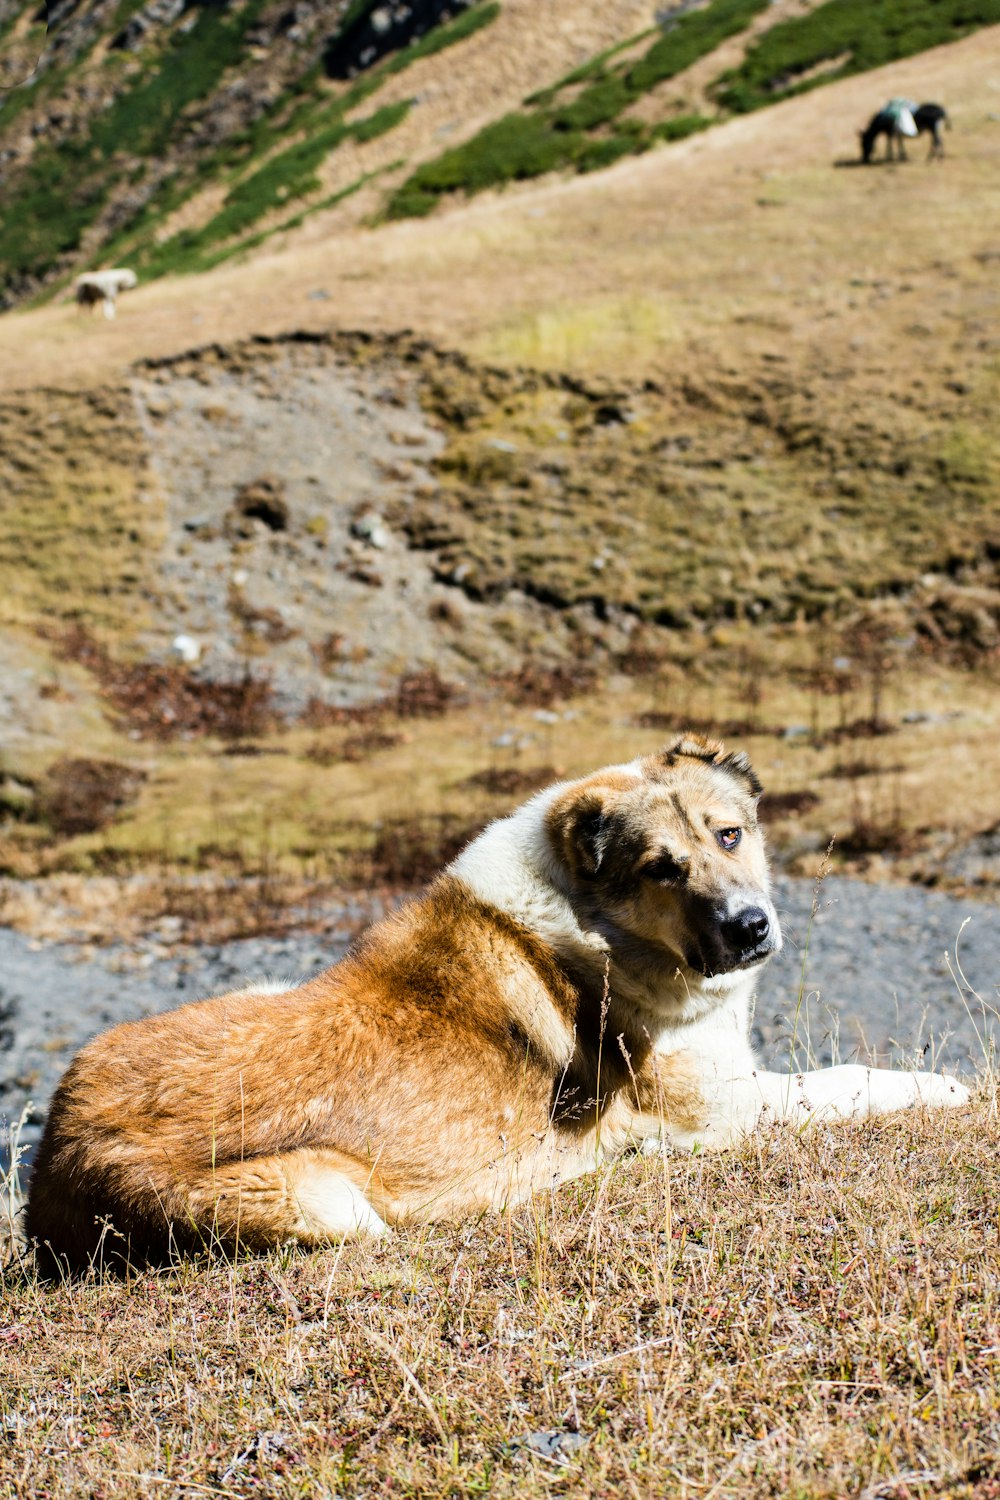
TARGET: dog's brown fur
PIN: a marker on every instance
(406, 1068)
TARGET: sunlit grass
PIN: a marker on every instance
(811, 1315)
(588, 335)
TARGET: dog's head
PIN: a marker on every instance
(668, 851)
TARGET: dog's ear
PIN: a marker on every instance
(711, 753)
(580, 824)
(737, 763)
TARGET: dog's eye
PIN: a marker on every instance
(664, 867)
(729, 837)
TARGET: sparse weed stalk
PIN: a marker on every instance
(801, 1012)
(11, 1186)
(988, 1015)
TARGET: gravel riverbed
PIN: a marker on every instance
(874, 966)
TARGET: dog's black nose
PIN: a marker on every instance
(746, 930)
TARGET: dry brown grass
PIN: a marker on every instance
(811, 1316)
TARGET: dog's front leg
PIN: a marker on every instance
(745, 1100)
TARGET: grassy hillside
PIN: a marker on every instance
(204, 135)
(844, 37)
(164, 127)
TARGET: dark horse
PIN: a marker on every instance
(927, 117)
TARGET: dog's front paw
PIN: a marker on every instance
(940, 1090)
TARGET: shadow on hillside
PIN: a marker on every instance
(855, 161)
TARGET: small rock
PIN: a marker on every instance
(550, 1444)
(187, 648)
(262, 500)
(371, 528)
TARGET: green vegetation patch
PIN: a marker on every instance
(288, 175)
(863, 35)
(595, 67)
(691, 37)
(679, 127)
(65, 188)
(553, 135)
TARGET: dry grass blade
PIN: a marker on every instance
(413, 1383)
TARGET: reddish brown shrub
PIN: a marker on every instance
(79, 795)
(166, 701)
(422, 695)
(785, 804)
(534, 685)
(410, 851)
(511, 780)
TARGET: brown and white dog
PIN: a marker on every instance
(578, 981)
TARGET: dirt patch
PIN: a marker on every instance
(289, 472)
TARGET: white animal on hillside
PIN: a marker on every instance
(104, 286)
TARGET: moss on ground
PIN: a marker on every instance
(761, 501)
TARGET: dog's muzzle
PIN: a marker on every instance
(739, 940)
